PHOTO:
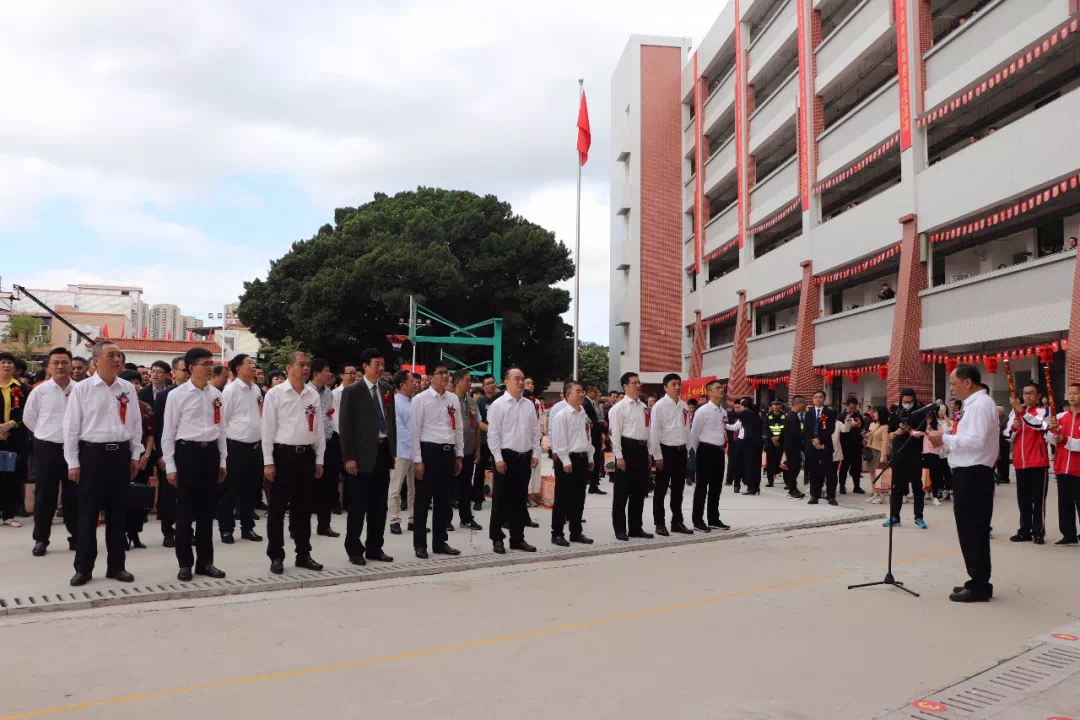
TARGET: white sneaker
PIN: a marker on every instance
(937, 502)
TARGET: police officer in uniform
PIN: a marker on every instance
(774, 427)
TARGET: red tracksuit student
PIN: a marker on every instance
(1067, 466)
(1028, 426)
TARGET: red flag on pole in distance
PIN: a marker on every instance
(168, 335)
(584, 134)
(123, 330)
(105, 331)
(144, 331)
(190, 336)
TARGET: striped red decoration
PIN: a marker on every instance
(859, 267)
(769, 382)
(765, 225)
(858, 165)
(788, 292)
(729, 245)
(722, 317)
(1044, 351)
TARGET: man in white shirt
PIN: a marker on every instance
(194, 450)
(43, 415)
(293, 445)
(405, 386)
(669, 438)
(708, 433)
(571, 445)
(438, 445)
(629, 421)
(242, 409)
(102, 446)
(326, 487)
(973, 449)
(514, 440)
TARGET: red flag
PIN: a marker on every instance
(168, 335)
(105, 331)
(584, 134)
(190, 336)
(144, 331)
(211, 336)
(123, 330)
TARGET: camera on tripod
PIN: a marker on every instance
(914, 417)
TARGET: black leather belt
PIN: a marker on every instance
(298, 449)
(50, 443)
(109, 446)
(515, 453)
(247, 445)
(718, 447)
(635, 441)
(440, 447)
(580, 455)
(197, 443)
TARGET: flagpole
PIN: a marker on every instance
(577, 246)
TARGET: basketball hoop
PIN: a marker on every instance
(396, 341)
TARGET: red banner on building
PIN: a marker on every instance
(695, 387)
(900, 11)
(739, 117)
(804, 110)
(699, 174)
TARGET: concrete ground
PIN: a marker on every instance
(753, 628)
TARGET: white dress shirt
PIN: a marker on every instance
(627, 419)
(44, 411)
(710, 426)
(570, 433)
(93, 415)
(513, 425)
(669, 425)
(430, 422)
(403, 423)
(555, 410)
(976, 439)
(382, 402)
(240, 405)
(335, 418)
(285, 420)
(189, 415)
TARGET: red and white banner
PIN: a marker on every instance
(729, 245)
(859, 267)
(856, 166)
(804, 109)
(777, 297)
(904, 67)
(772, 221)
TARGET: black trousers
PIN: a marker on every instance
(672, 475)
(480, 474)
(196, 500)
(851, 465)
(509, 496)
(465, 491)
(293, 489)
(819, 466)
(1004, 448)
(245, 465)
(773, 453)
(367, 498)
(1068, 504)
(166, 503)
(973, 507)
(794, 466)
(631, 487)
(905, 475)
(1031, 487)
(570, 494)
(598, 460)
(434, 490)
(136, 516)
(735, 464)
(751, 456)
(50, 479)
(710, 483)
(105, 471)
(12, 483)
(326, 487)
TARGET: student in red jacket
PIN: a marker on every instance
(1067, 466)
(1028, 426)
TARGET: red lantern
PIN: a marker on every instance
(853, 376)
(1028, 352)
(1046, 354)
(883, 372)
(950, 365)
(991, 364)
(1064, 343)
(828, 378)
(1055, 345)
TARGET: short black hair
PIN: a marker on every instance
(176, 362)
(131, 366)
(460, 375)
(132, 376)
(273, 374)
(318, 365)
(237, 361)
(5, 355)
(671, 376)
(195, 354)
(436, 366)
(907, 392)
(969, 372)
(1075, 385)
(79, 358)
(485, 376)
(156, 364)
(400, 378)
(1032, 384)
(709, 384)
(626, 378)
(851, 399)
(507, 371)
(691, 402)
(819, 392)
(370, 354)
(341, 370)
(59, 351)
(590, 387)
(418, 376)
(798, 398)
(569, 385)
(291, 358)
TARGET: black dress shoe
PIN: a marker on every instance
(702, 527)
(813, 501)
(718, 524)
(449, 527)
(532, 524)
(680, 528)
(477, 507)
(71, 544)
(120, 575)
(499, 547)
(395, 528)
(328, 532)
(252, 536)
(1039, 541)
(859, 491)
(597, 491)
(769, 484)
(210, 571)
(661, 530)
(1066, 541)
(796, 495)
(843, 491)
(184, 575)
(227, 538)
(80, 579)
(357, 560)
(445, 549)
(308, 563)
(421, 553)
(560, 541)
(642, 535)
(134, 543)
(380, 556)
(622, 536)
(168, 541)
(581, 539)
(277, 567)
(410, 527)
(832, 501)
(969, 596)
(522, 546)
(1020, 538)
(472, 525)
(39, 549)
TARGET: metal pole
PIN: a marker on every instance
(577, 247)
(412, 329)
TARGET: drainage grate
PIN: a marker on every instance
(1052, 659)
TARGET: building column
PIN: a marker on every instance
(742, 126)
(697, 347)
(1072, 355)
(906, 370)
(738, 385)
(803, 381)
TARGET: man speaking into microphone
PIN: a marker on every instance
(973, 448)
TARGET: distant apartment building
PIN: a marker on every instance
(166, 323)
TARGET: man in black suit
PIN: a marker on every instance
(851, 443)
(368, 435)
(166, 501)
(753, 432)
(594, 413)
(818, 425)
(792, 440)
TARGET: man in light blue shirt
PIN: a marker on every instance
(405, 387)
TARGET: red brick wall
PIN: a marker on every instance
(803, 381)
(905, 367)
(738, 384)
(926, 39)
(661, 211)
(818, 118)
(1072, 355)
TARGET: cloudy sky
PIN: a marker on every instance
(181, 147)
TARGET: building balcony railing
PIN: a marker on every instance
(870, 226)
(775, 112)
(688, 252)
(720, 101)
(773, 191)
(778, 268)
(1025, 154)
(717, 361)
(770, 353)
(688, 194)
(689, 137)
(720, 166)
(854, 36)
(866, 125)
(780, 30)
(856, 335)
(722, 293)
(690, 304)
(1016, 301)
(722, 228)
(991, 36)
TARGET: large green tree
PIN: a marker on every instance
(25, 333)
(467, 257)
(593, 365)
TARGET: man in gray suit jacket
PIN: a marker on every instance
(368, 436)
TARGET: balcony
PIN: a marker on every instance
(688, 252)
(720, 102)
(778, 268)
(722, 228)
(999, 305)
(858, 34)
(870, 226)
(720, 166)
(775, 113)
(689, 138)
(717, 361)
(1017, 158)
(690, 304)
(854, 336)
(722, 293)
(774, 191)
(688, 195)
(779, 33)
(994, 34)
(770, 353)
(867, 124)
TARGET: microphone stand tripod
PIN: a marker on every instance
(889, 578)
